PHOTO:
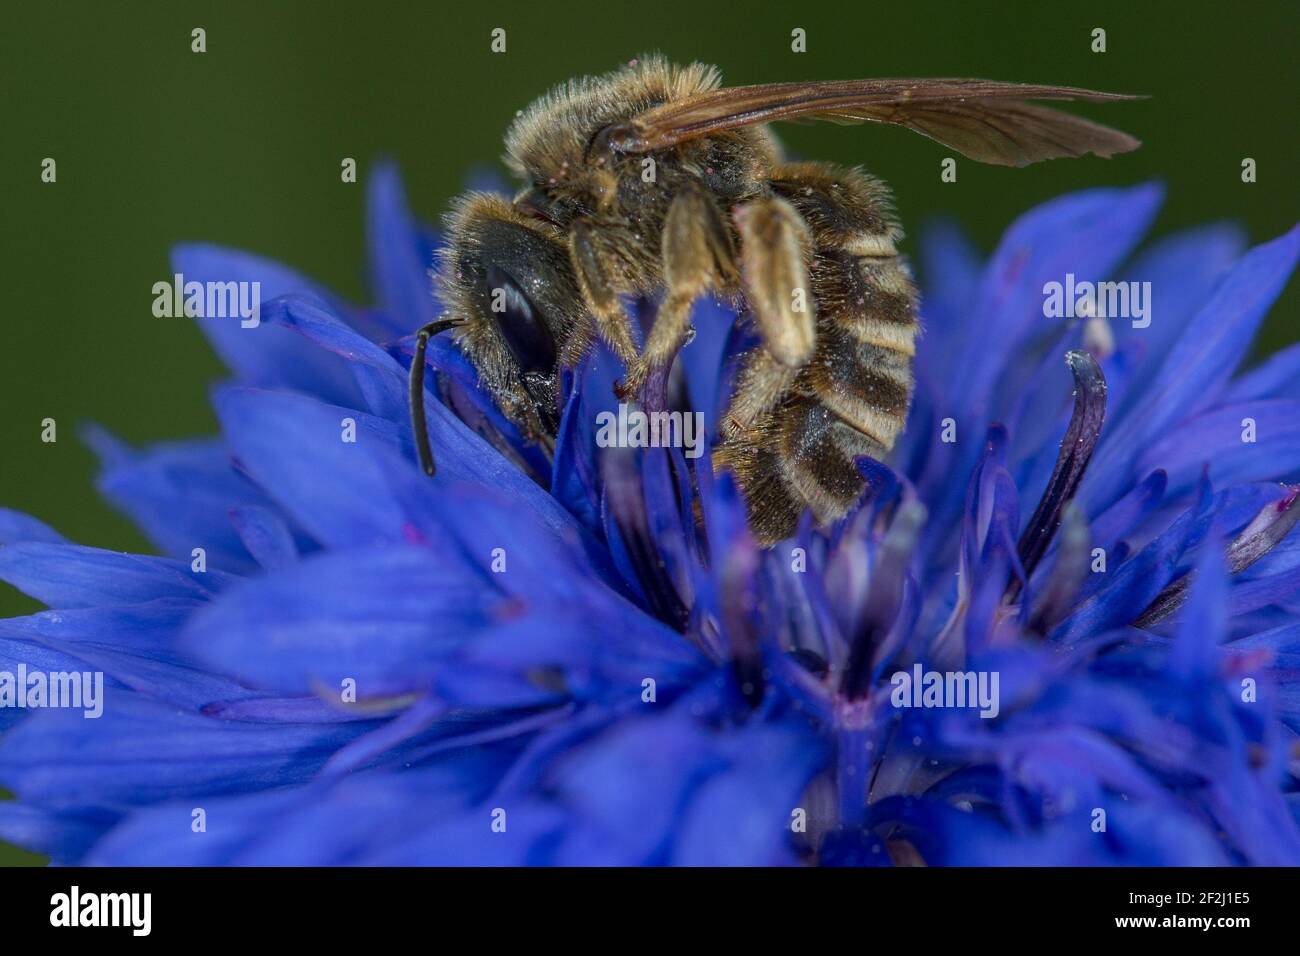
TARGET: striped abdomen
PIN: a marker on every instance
(852, 398)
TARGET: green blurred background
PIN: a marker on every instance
(241, 145)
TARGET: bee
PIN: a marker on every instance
(655, 180)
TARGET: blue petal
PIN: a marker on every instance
(701, 358)
(265, 355)
(575, 477)
(384, 617)
(294, 448)
(146, 629)
(354, 821)
(16, 526)
(400, 260)
(1130, 512)
(1204, 618)
(1217, 438)
(344, 492)
(1278, 376)
(72, 576)
(61, 835)
(141, 751)
(36, 657)
(149, 665)
(1086, 234)
(951, 267)
(292, 710)
(632, 783)
(741, 817)
(379, 379)
(370, 818)
(1183, 270)
(533, 832)
(181, 494)
(165, 835)
(602, 653)
(1126, 591)
(265, 535)
(1264, 590)
(1198, 367)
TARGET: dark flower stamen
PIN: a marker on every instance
(888, 579)
(1054, 599)
(1257, 540)
(627, 508)
(1076, 451)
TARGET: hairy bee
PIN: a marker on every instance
(807, 251)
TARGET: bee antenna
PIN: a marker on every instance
(419, 424)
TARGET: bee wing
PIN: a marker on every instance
(983, 119)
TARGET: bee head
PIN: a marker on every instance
(509, 277)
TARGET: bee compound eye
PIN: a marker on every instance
(521, 325)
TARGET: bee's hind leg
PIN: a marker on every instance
(775, 249)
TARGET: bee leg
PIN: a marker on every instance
(697, 256)
(419, 423)
(775, 248)
(612, 322)
(763, 382)
(579, 342)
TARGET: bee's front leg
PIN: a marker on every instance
(601, 294)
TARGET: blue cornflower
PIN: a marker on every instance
(587, 659)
